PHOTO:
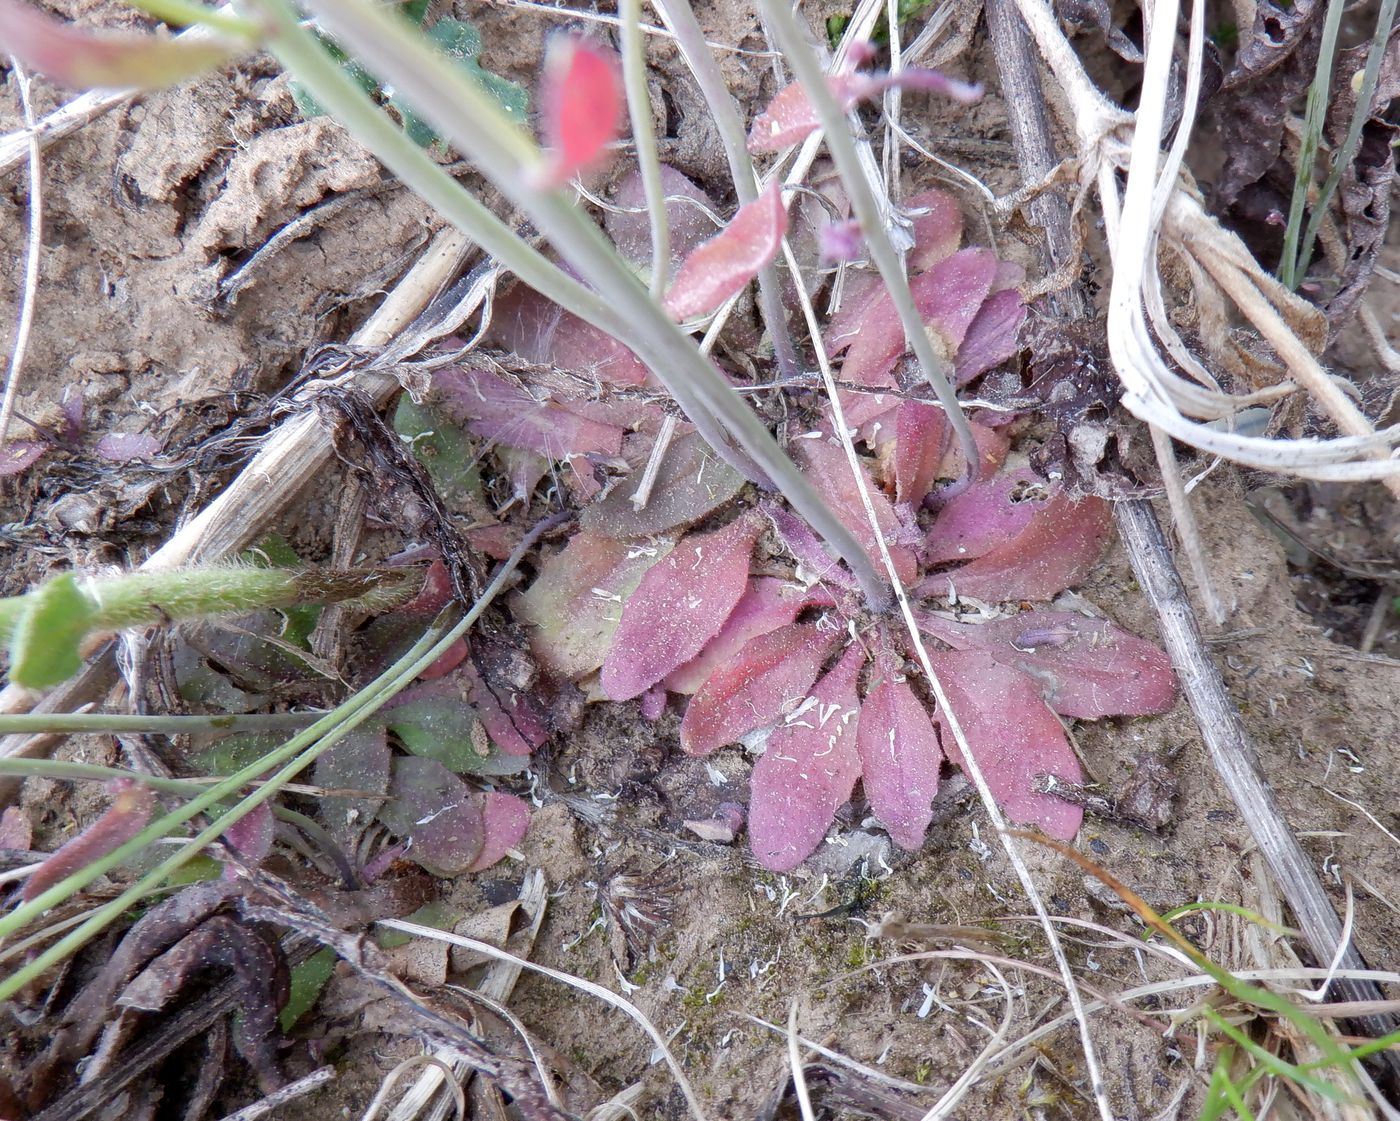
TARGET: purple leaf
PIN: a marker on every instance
(123, 447)
(575, 603)
(128, 814)
(1059, 545)
(81, 59)
(825, 465)
(808, 770)
(513, 721)
(360, 760)
(922, 435)
(580, 108)
(991, 336)
(540, 331)
(807, 548)
(499, 410)
(899, 758)
(769, 677)
(693, 482)
(654, 702)
(1013, 736)
(1085, 668)
(839, 241)
(250, 837)
(937, 233)
(721, 266)
(18, 455)
(679, 606)
(688, 221)
(435, 812)
(769, 603)
(505, 819)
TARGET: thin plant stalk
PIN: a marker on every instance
(1291, 263)
(1341, 159)
(634, 76)
(679, 18)
(293, 757)
(33, 250)
(807, 70)
(469, 118)
(96, 723)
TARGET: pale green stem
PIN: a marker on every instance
(1341, 159)
(1290, 263)
(808, 70)
(679, 18)
(188, 13)
(294, 756)
(78, 723)
(634, 74)
(467, 116)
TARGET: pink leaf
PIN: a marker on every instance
(720, 829)
(991, 336)
(899, 758)
(769, 677)
(505, 819)
(950, 294)
(989, 513)
(128, 814)
(580, 107)
(1013, 736)
(807, 548)
(991, 442)
(81, 59)
(15, 830)
(512, 721)
(938, 232)
(839, 241)
(826, 466)
(250, 837)
(767, 604)
(922, 434)
(435, 812)
(808, 770)
(575, 603)
(499, 410)
(1055, 551)
(124, 447)
(18, 455)
(790, 116)
(718, 268)
(540, 331)
(679, 606)
(1085, 668)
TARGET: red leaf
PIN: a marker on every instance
(770, 676)
(808, 770)
(580, 108)
(505, 819)
(128, 814)
(18, 455)
(1085, 668)
(1013, 736)
(1056, 550)
(718, 268)
(499, 410)
(81, 59)
(826, 466)
(679, 606)
(575, 603)
(899, 757)
(769, 603)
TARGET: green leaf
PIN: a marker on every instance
(44, 648)
(307, 981)
(231, 754)
(436, 914)
(445, 451)
(448, 731)
(275, 551)
(415, 11)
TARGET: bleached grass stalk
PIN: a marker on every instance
(807, 70)
(607, 996)
(973, 767)
(799, 1076)
(634, 75)
(975, 1069)
(33, 249)
(846, 1061)
(468, 117)
(459, 1099)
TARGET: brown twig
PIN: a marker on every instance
(1222, 729)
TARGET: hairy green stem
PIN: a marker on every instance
(467, 116)
(634, 74)
(807, 70)
(1291, 264)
